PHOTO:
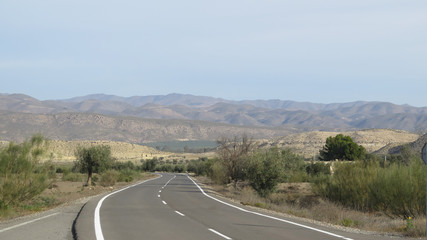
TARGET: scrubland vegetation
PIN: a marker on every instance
(25, 181)
(356, 189)
(21, 176)
(379, 193)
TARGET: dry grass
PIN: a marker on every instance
(297, 199)
(62, 192)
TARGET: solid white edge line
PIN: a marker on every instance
(267, 216)
(180, 213)
(97, 220)
(219, 234)
(25, 223)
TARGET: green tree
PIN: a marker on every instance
(265, 171)
(21, 175)
(342, 148)
(93, 159)
(149, 165)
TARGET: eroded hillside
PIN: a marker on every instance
(309, 143)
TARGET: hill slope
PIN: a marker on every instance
(85, 126)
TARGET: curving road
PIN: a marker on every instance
(175, 207)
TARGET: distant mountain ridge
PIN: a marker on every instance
(90, 126)
(255, 113)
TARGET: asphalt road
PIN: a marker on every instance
(55, 224)
(175, 207)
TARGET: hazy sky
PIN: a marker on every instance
(322, 51)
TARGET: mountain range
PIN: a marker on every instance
(259, 113)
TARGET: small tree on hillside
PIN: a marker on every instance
(93, 159)
(341, 147)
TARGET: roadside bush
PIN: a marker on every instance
(202, 166)
(108, 178)
(127, 175)
(149, 165)
(314, 169)
(350, 185)
(123, 165)
(21, 176)
(265, 170)
(218, 174)
(165, 168)
(179, 168)
(293, 167)
(397, 190)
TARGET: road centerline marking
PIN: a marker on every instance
(168, 182)
(97, 219)
(220, 234)
(179, 213)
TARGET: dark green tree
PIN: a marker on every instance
(342, 148)
(93, 159)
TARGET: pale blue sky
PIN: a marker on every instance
(307, 50)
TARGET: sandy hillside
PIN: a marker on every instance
(64, 150)
(309, 143)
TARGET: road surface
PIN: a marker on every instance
(55, 224)
(175, 207)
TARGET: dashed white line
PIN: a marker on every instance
(220, 234)
(180, 213)
(168, 181)
(25, 223)
(164, 202)
(97, 220)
